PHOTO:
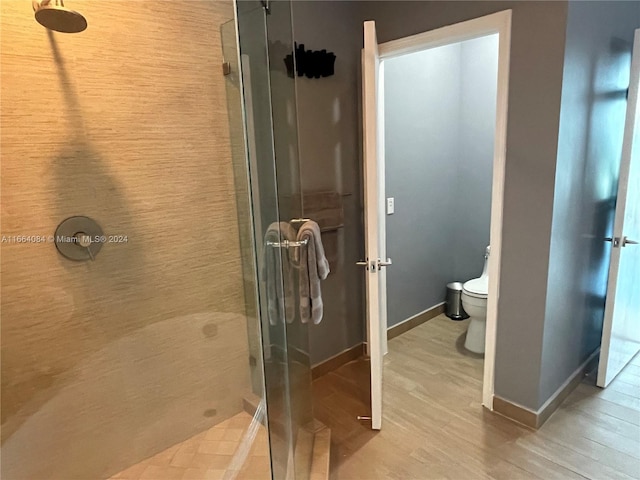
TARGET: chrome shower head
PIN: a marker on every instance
(58, 17)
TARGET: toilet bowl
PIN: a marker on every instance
(474, 302)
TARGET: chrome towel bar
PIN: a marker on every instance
(288, 243)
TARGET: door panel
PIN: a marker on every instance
(621, 330)
(374, 221)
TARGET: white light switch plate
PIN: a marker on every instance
(390, 206)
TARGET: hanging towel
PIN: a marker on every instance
(314, 267)
(278, 275)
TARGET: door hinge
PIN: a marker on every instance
(266, 4)
(226, 68)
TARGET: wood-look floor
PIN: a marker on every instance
(435, 427)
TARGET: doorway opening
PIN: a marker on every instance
(442, 118)
(439, 130)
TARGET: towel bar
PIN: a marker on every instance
(288, 243)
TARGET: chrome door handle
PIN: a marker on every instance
(626, 241)
(363, 263)
(386, 263)
(614, 240)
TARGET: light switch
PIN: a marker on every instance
(390, 206)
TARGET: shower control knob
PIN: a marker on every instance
(83, 239)
(78, 238)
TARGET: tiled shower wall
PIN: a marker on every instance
(107, 362)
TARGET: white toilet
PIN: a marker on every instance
(474, 302)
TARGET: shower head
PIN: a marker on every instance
(58, 17)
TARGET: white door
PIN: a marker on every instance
(621, 330)
(374, 219)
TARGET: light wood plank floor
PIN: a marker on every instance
(435, 427)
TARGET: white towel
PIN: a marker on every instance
(278, 274)
(314, 267)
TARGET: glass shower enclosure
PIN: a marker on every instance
(166, 343)
(265, 41)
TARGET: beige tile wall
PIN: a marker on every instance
(107, 362)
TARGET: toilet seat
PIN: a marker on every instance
(477, 287)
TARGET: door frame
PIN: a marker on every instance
(499, 23)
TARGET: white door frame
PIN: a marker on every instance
(499, 23)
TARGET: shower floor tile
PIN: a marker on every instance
(207, 456)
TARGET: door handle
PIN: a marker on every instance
(386, 263)
(614, 240)
(626, 241)
(364, 263)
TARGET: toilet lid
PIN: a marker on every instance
(477, 286)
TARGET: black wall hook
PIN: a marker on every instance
(311, 63)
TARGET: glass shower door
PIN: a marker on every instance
(266, 39)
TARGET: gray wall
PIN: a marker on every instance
(536, 74)
(596, 76)
(479, 70)
(537, 55)
(329, 143)
(439, 114)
